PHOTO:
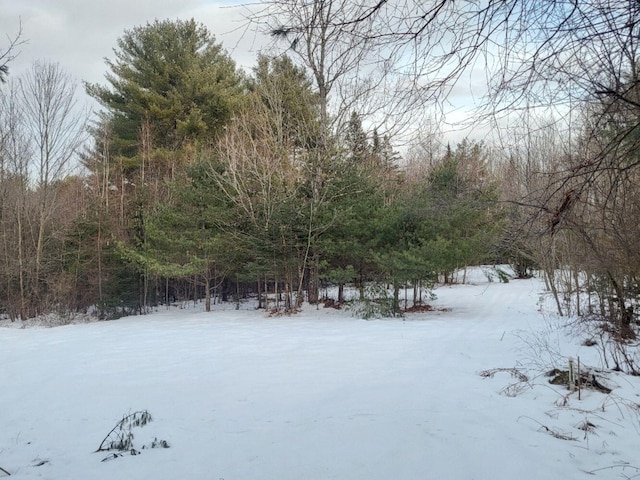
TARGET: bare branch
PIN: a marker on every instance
(10, 53)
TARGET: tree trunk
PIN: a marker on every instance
(39, 245)
(23, 301)
(554, 290)
(625, 314)
(577, 282)
(396, 297)
(313, 279)
(237, 293)
(207, 293)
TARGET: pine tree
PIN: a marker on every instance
(170, 90)
(173, 77)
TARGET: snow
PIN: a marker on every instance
(318, 395)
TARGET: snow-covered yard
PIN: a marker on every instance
(318, 395)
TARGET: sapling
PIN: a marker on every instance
(120, 438)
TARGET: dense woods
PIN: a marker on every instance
(202, 181)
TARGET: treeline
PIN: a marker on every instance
(204, 181)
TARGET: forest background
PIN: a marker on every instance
(203, 180)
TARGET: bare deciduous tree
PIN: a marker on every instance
(56, 130)
(534, 53)
(15, 153)
(351, 68)
(9, 53)
(41, 129)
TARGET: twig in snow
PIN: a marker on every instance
(611, 467)
(550, 431)
(513, 371)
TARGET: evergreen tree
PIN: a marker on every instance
(286, 91)
(464, 219)
(439, 222)
(170, 90)
(239, 213)
(172, 77)
(354, 214)
(184, 238)
(356, 139)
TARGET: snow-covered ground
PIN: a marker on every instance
(318, 395)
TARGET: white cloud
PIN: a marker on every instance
(80, 34)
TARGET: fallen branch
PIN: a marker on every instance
(611, 467)
(5, 472)
(514, 372)
(551, 431)
(556, 434)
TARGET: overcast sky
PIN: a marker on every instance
(79, 34)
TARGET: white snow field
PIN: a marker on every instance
(318, 395)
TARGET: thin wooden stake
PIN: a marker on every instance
(579, 380)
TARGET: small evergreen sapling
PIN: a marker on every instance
(120, 438)
(377, 303)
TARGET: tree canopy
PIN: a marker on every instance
(173, 76)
